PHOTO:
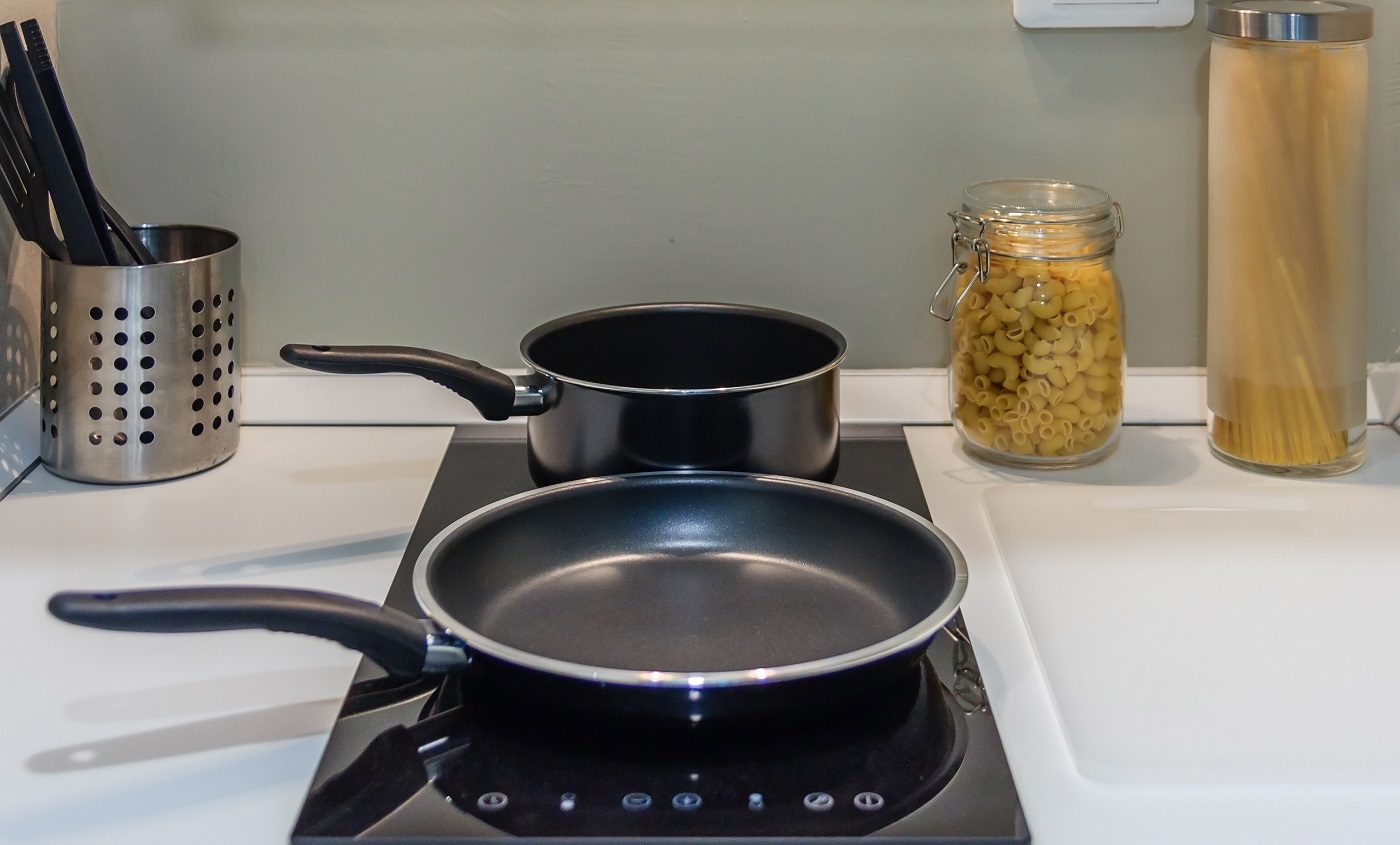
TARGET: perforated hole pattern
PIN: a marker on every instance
(213, 362)
(121, 353)
(120, 342)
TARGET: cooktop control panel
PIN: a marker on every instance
(727, 812)
(850, 775)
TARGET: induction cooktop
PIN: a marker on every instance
(436, 760)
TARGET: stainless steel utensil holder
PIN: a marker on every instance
(139, 368)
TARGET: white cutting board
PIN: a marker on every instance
(1244, 633)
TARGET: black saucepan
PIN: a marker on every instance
(641, 388)
(669, 595)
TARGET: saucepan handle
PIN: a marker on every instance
(492, 392)
(396, 641)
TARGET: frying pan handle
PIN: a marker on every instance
(394, 640)
(491, 391)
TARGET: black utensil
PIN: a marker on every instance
(31, 198)
(24, 178)
(14, 189)
(79, 235)
(123, 232)
(67, 135)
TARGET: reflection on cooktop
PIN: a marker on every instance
(878, 764)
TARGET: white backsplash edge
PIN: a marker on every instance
(284, 396)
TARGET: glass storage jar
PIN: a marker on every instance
(1036, 368)
(1286, 237)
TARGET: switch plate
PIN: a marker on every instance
(1063, 14)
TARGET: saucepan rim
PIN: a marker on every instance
(595, 314)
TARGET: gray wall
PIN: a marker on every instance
(451, 172)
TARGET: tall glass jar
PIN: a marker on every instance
(1036, 370)
(1286, 277)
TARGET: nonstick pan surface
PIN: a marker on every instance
(706, 575)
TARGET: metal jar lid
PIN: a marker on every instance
(1289, 20)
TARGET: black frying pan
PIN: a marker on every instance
(641, 388)
(678, 595)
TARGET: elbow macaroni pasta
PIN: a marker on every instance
(1038, 358)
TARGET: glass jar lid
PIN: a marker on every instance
(1036, 201)
(1290, 20)
(1039, 218)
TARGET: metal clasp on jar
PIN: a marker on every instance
(983, 253)
(980, 250)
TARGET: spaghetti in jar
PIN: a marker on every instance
(1286, 272)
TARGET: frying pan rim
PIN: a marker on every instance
(917, 634)
(711, 307)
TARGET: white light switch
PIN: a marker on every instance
(1063, 14)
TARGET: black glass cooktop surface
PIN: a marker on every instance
(436, 760)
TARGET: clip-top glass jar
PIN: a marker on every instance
(1036, 372)
(1286, 276)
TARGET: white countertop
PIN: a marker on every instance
(127, 738)
(209, 738)
(1177, 651)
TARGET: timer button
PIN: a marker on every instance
(756, 801)
(818, 802)
(491, 802)
(869, 801)
(636, 801)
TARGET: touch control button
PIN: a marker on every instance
(636, 801)
(490, 802)
(686, 801)
(568, 801)
(869, 801)
(756, 801)
(818, 802)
